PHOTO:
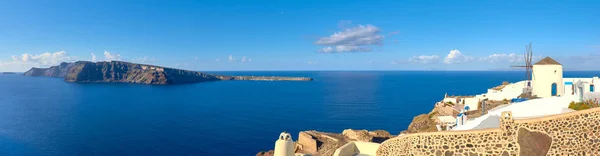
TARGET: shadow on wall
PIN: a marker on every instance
(492, 121)
(14, 147)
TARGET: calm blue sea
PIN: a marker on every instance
(46, 116)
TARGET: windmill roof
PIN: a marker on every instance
(547, 61)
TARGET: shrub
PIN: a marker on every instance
(505, 101)
(580, 105)
(433, 114)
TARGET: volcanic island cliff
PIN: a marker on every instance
(126, 72)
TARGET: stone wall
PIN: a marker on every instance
(575, 133)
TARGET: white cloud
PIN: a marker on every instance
(109, 57)
(144, 59)
(231, 58)
(313, 62)
(93, 57)
(326, 50)
(26, 61)
(196, 58)
(456, 57)
(494, 58)
(393, 33)
(424, 59)
(217, 60)
(44, 59)
(351, 40)
(344, 48)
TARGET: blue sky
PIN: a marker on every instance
(300, 35)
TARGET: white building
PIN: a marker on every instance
(548, 81)
(462, 101)
(547, 78)
(508, 92)
(587, 85)
(555, 94)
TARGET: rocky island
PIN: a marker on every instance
(126, 72)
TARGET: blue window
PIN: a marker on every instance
(591, 88)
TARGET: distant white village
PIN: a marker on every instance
(553, 93)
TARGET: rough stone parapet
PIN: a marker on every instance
(575, 133)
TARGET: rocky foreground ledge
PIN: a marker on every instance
(324, 144)
(126, 72)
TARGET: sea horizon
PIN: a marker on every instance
(62, 118)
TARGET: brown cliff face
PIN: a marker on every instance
(125, 72)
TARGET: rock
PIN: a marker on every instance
(317, 143)
(263, 153)
(449, 153)
(380, 133)
(380, 136)
(327, 143)
(307, 143)
(357, 135)
(422, 123)
(533, 143)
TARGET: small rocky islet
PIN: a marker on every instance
(126, 72)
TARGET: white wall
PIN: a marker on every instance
(586, 88)
(509, 91)
(357, 148)
(472, 103)
(544, 76)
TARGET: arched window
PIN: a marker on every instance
(554, 89)
(528, 83)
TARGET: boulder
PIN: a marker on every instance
(307, 143)
(380, 136)
(317, 143)
(357, 135)
(380, 133)
(263, 153)
(533, 143)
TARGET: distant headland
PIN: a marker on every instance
(126, 72)
(8, 73)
